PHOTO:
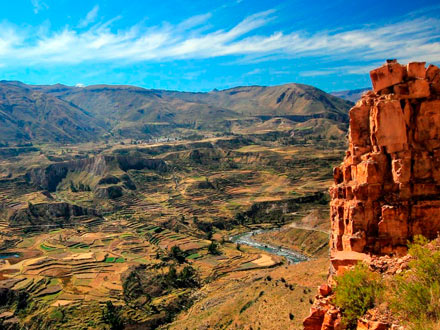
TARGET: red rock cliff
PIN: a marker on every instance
(388, 188)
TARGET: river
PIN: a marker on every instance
(292, 256)
(9, 255)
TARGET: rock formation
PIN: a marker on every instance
(48, 177)
(388, 188)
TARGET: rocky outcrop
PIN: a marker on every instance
(49, 177)
(387, 190)
(111, 192)
(46, 214)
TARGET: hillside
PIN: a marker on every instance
(134, 112)
(28, 115)
(284, 100)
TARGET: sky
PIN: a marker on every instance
(204, 45)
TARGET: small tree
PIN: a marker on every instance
(177, 254)
(72, 187)
(213, 248)
(110, 316)
(188, 278)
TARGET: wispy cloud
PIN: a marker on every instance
(315, 73)
(412, 39)
(194, 21)
(39, 5)
(90, 17)
(254, 72)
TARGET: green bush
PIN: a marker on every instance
(177, 254)
(356, 292)
(110, 316)
(416, 293)
(213, 248)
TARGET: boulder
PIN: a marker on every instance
(387, 75)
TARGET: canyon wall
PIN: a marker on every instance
(388, 187)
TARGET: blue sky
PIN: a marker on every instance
(201, 45)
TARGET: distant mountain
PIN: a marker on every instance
(28, 115)
(351, 95)
(283, 100)
(84, 113)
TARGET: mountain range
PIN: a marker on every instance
(351, 95)
(66, 114)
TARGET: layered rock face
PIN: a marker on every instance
(387, 190)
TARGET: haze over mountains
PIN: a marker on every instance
(59, 113)
(351, 95)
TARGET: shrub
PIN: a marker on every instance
(213, 248)
(416, 293)
(177, 254)
(356, 292)
(188, 278)
(140, 285)
(110, 316)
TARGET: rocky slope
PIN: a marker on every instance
(387, 189)
(290, 100)
(29, 115)
(99, 170)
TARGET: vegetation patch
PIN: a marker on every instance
(356, 292)
(194, 256)
(114, 259)
(416, 292)
(47, 248)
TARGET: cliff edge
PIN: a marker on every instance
(387, 190)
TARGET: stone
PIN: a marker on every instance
(401, 170)
(433, 74)
(342, 260)
(359, 125)
(372, 325)
(332, 320)
(407, 113)
(387, 75)
(324, 290)
(315, 319)
(416, 70)
(427, 125)
(387, 125)
(412, 89)
(393, 227)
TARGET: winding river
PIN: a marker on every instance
(292, 256)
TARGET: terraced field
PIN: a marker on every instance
(80, 246)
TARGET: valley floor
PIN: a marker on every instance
(159, 249)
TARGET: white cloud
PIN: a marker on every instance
(315, 73)
(194, 21)
(254, 72)
(39, 5)
(406, 40)
(90, 17)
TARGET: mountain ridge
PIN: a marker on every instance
(135, 112)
